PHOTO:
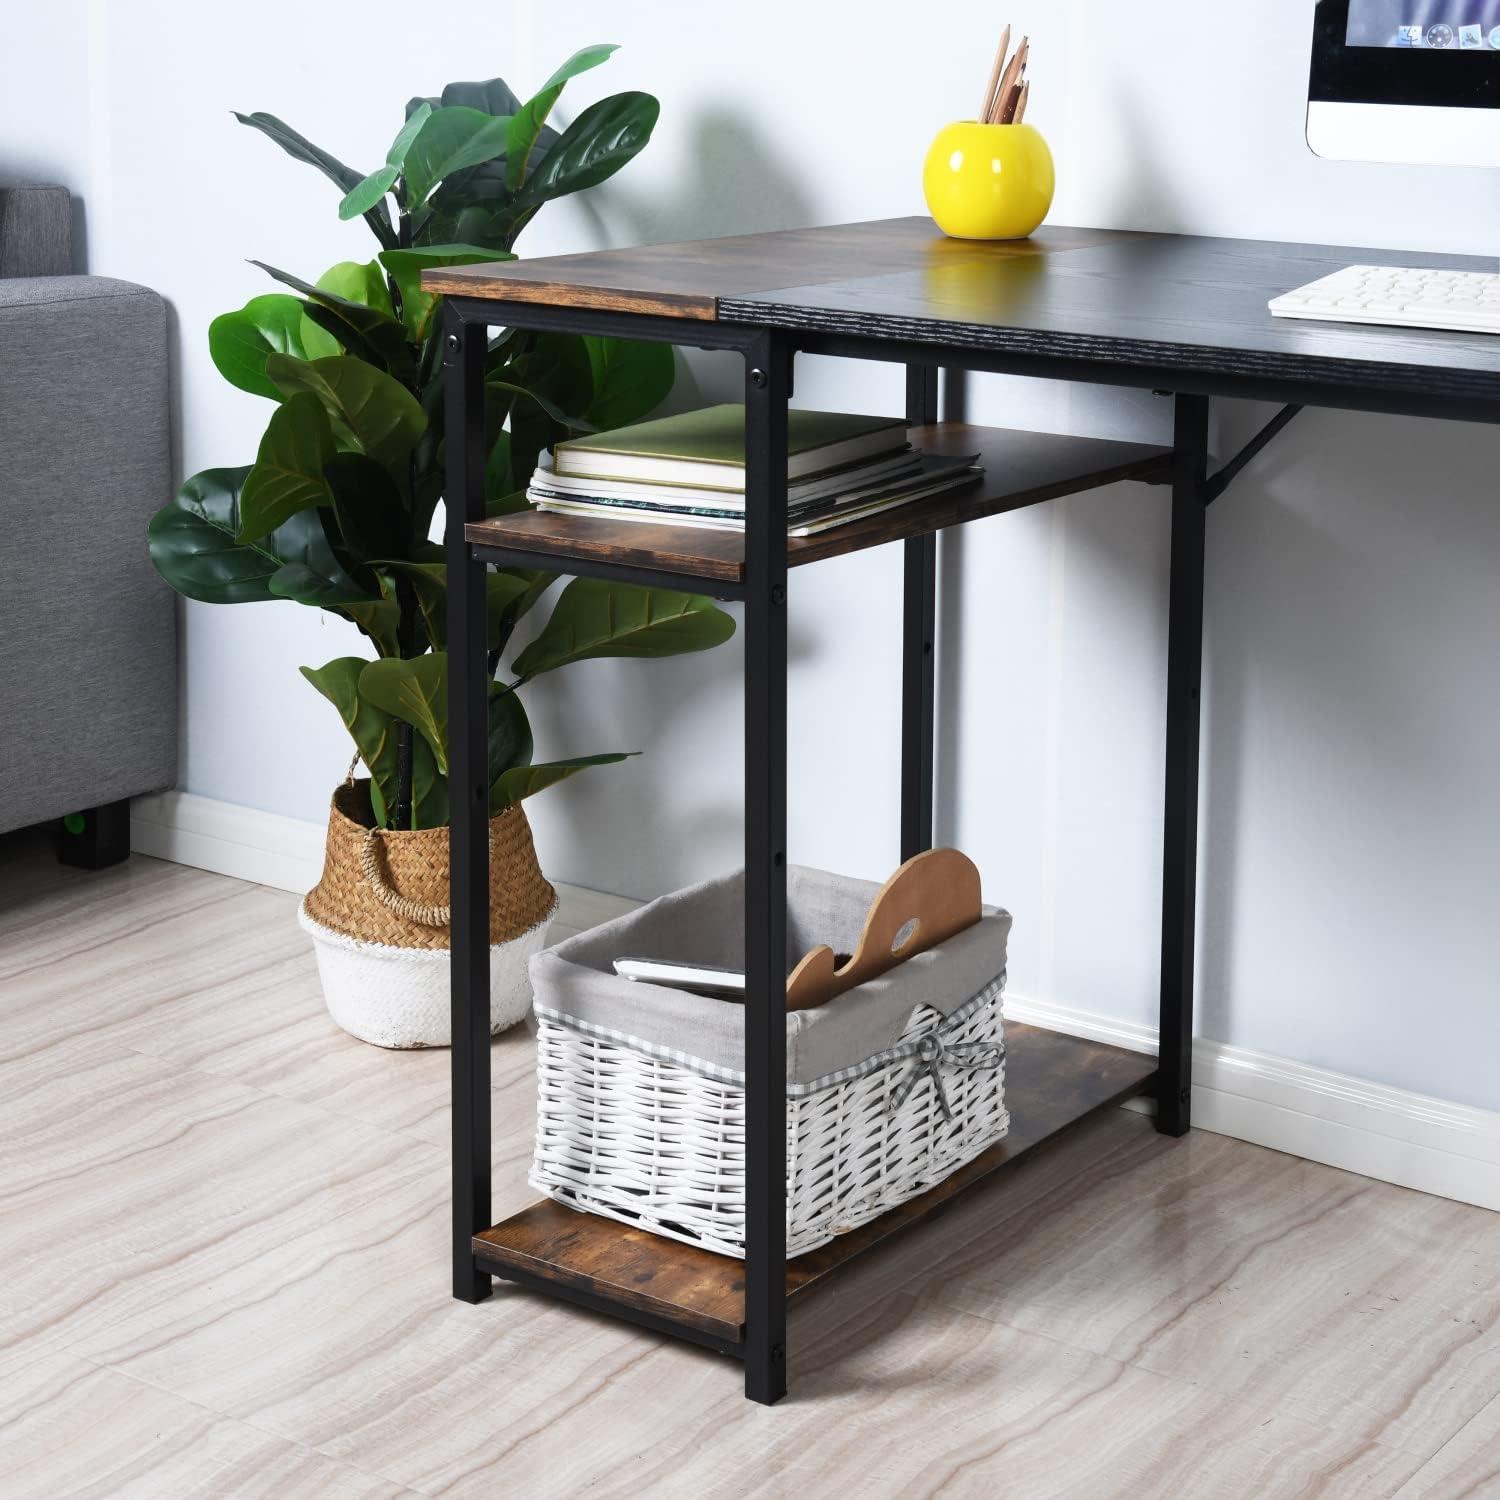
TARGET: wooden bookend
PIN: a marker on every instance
(931, 897)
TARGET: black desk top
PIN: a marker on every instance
(1183, 312)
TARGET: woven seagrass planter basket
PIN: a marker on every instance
(379, 923)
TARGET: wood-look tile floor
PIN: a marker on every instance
(223, 1271)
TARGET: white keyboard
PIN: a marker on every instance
(1463, 301)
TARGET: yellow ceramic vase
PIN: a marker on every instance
(988, 182)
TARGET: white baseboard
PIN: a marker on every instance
(1428, 1144)
(1415, 1141)
(266, 848)
(287, 853)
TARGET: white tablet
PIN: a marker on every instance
(701, 979)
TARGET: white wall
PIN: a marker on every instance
(1350, 805)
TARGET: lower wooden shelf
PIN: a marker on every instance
(1052, 1081)
(1020, 469)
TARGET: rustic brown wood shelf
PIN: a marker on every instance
(1020, 469)
(1052, 1082)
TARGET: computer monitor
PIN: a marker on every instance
(1406, 81)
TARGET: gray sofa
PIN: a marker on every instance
(88, 694)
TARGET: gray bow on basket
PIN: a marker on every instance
(932, 1052)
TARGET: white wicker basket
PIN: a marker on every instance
(637, 1130)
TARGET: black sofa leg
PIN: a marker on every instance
(97, 837)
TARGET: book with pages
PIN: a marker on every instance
(689, 471)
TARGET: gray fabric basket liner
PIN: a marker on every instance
(575, 982)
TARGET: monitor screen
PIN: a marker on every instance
(1460, 25)
(1414, 81)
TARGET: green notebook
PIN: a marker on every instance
(707, 448)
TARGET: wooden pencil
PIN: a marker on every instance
(1008, 82)
(1013, 94)
(989, 89)
(1021, 104)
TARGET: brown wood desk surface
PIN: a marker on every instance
(687, 279)
(1145, 308)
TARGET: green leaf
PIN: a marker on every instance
(288, 473)
(364, 331)
(429, 583)
(520, 139)
(535, 382)
(311, 572)
(361, 281)
(364, 195)
(379, 620)
(240, 342)
(554, 365)
(509, 605)
(414, 689)
(527, 781)
(373, 519)
(492, 97)
(429, 787)
(473, 207)
(301, 149)
(368, 409)
(499, 479)
(450, 140)
(368, 191)
(580, 62)
(508, 596)
(550, 408)
(594, 618)
(372, 729)
(526, 124)
(298, 582)
(194, 544)
(374, 734)
(593, 148)
(631, 379)
(509, 733)
(406, 267)
(396, 156)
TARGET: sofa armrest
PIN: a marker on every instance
(88, 710)
(36, 231)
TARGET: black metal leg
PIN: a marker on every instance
(1180, 835)
(468, 848)
(96, 838)
(767, 377)
(918, 656)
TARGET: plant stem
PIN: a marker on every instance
(402, 815)
(403, 242)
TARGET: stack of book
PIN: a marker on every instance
(689, 470)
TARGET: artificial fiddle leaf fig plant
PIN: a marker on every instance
(337, 510)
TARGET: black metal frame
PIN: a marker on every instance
(768, 354)
(918, 646)
(1215, 486)
(1180, 798)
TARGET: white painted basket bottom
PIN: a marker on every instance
(399, 997)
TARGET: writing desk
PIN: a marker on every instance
(1183, 316)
